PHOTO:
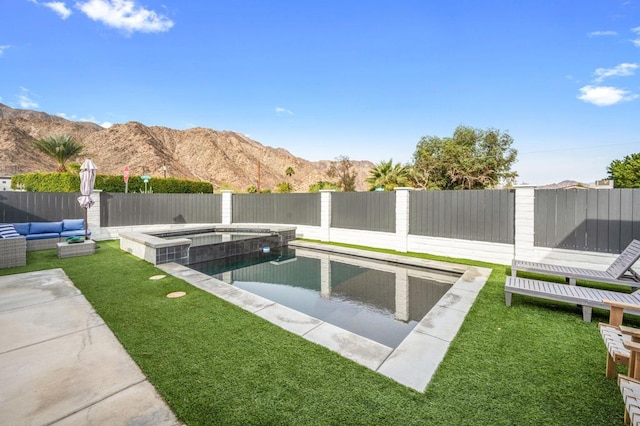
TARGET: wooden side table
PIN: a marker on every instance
(76, 249)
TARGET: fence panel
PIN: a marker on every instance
(469, 215)
(291, 209)
(17, 206)
(587, 219)
(117, 209)
(369, 211)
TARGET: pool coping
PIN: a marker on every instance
(413, 363)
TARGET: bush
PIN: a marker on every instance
(70, 182)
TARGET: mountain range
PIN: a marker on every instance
(229, 160)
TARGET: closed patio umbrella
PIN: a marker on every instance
(87, 180)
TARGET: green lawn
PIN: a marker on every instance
(535, 363)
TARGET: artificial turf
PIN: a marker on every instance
(533, 363)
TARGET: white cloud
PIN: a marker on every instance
(636, 30)
(602, 33)
(3, 48)
(125, 15)
(283, 111)
(59, 7)
(605, 95)
(91, 119)
(24, 99)
(622, 70)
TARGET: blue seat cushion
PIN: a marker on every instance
(77, 233)
(72, 224)
(43, 236)
(22, 228)
(8, 231)
(45, 227)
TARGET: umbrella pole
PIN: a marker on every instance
(86, 227)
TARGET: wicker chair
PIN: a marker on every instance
(13, 252)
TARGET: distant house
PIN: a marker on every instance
(572, 184)
(5, 183)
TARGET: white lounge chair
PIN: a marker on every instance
(620, 272)
(588, 297)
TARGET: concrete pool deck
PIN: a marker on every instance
(60, 364)
(413, 363)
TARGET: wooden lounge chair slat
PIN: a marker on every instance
(619, 272)
(585, 296)
(630, 390)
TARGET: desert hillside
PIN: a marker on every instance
(224, 158)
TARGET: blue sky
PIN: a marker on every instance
(329, 78)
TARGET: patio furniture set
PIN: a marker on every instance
(18, 238)
(622, 342)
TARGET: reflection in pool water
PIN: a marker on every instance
(377, 300)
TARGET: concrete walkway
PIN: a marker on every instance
(61, 365)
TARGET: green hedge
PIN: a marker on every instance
(70, 182)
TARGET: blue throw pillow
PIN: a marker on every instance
(22, 228)
(8, 231)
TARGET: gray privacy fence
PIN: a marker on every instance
(467, 215)
(17, 207)
(588, 220)
(118, 209)
(370, 211)
(592, 220)
(290, 209)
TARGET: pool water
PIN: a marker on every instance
(378, 300)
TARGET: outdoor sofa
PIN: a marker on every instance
(13, 248)
(45, 235)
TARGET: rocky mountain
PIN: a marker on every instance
(224, 158)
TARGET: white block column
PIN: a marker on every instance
(402, 218)
(227, 207)
(93, 215)
(524, 223)
(325, 214)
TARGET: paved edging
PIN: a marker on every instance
(413, 363)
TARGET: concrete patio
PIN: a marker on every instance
(61, 365)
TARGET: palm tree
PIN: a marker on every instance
(388, 176)
(284, 187)
(60, 148)
(289, 172)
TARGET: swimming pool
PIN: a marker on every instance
(378, 300)
(412, 363)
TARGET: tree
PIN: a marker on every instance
(289, 171)
(284, 187)
(323, 184)
(386, 175)
(60, 148)
(626, 172)
(341, 169)
(470, 159)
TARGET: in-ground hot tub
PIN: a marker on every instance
(201, 244)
